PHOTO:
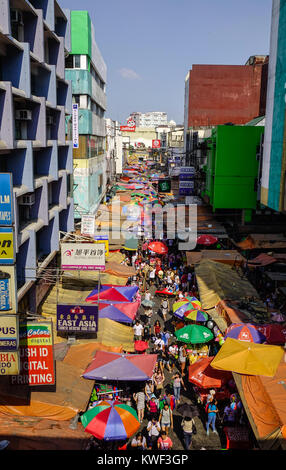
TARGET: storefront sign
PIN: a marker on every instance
(77, 318)
(156, 144)
(36, 354)
(6, 199)
(131, 126)
(83, 256)
(9, 332)
(8, 289)
(103, 239)
(187, 173)
(186, 187)
(164, 186)
(9, 363)
(75, 138)
(6, 245)
(88, 225)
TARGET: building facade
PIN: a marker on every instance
(273, 181)
(86, 70)
(35, 99)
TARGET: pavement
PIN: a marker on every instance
(200, 440)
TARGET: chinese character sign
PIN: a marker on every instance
(77, 318)
(83, 256)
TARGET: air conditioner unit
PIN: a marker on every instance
(27, 199)
(24, 114)
(50, 120)
(16, 16)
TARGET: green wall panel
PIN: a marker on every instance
(81, 42)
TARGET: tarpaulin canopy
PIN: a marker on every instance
(112, 333)
(274, 333)
(264, 400)
(248, 358)
(111, 366)
(113, 293)
(221, 256)
(117, 269)
(70, 395)
(204, 376)
(261, 260)
(218, 281)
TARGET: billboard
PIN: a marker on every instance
(131, 126)
(6, 200)
(37, 365)
(187, 173)
(83, 256)
(8, 289)
(164, 186)
(77, 318)
(9, 332)
(156, 144)
(6, 245)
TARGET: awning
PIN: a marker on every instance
(221, 256)
(264, 400)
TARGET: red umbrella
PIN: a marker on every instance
(141, 345)
(206, 240)
(158, 247)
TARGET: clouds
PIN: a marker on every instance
(129, 74)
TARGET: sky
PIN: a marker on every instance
(150, 45)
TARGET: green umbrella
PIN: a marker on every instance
(194, 334)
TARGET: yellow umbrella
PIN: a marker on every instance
(248, 358)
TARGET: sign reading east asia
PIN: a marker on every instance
(80, 318)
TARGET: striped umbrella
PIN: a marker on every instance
(182, 307)
(245, 332)
(111, 421)
(197, 315)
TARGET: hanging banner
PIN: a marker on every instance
(6, 245)
(75, 138)
(6, 199)
(83, 256)
(9, 363)
(77, 318)
(8, 289)
(9, 332)
(36, 354)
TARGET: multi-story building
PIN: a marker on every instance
(35, 99)
(114, 150)
(222, 94)
(86, 69)
(152, 119)
(273, 180)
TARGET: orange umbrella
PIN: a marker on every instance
(204, 376)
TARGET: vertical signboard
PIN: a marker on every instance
(6, 245)
(75, 138)
(9, 332)
(36, 354)
(6, 200)
(88, 225)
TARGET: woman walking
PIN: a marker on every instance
(166, 418)
(139, 398)
(177, 383)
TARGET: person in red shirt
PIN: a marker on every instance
(164, 442)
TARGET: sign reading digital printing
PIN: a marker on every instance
(6, 245)
(36, 354)
(83, 256)
(75, 138)
(8, 289)
(6, 199)
(77, 318)
(9, 330)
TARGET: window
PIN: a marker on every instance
(76, 62)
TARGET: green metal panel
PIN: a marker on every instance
(232, 167)
(80, 80)
(81, 42)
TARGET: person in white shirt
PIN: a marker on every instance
(153, 429)
(138, 330)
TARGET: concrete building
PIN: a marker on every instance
(141, 138)
(86, 70)
(114, 150)
(151, 119)
(35, 99)
(222, 94)
(273, 180)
